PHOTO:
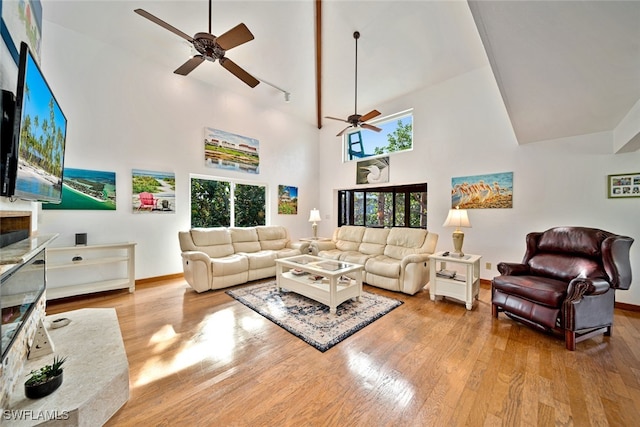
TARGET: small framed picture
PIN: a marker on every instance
(623, 185)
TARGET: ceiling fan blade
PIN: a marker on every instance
(239, 72)
(190, 65)
(335, 118)
(370, 115)
(163, 24)
(370, 127)
(234, 37)
(343, 131)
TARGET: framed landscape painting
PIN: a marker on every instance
(153, 192)
(493, 190)
(84, 189)
(287, 200)
(623, 185)
(224, 150)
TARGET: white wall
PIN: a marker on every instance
(141, 116)
(461, 129)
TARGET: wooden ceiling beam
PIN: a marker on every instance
(319, 62)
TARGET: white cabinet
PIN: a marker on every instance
(464, 283)
(77, 270)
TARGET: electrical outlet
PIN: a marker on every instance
(487, 266)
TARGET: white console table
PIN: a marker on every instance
(102, 267)
(465, 286)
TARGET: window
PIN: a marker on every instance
(216, 203)
(398, 206)
(396, 135)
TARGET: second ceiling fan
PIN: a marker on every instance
(210, 47)
(357, 120)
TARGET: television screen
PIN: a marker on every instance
(41, 126)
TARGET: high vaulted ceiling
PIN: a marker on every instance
(564, 68)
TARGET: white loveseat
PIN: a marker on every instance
(215, 258)
(395, 258)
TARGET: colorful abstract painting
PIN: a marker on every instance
(153, 192)
(287, 200)
(84, 189)
(229, 151)
(482, 191)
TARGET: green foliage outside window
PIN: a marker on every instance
(400, 139)
(249, 205)
(210, 203)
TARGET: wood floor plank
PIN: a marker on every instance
(205, 360)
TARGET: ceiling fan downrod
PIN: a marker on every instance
(356, 35)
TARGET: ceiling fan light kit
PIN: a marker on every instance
(210, 47)
(356, 120)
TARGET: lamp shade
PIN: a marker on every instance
(314, 216)
(457, 218)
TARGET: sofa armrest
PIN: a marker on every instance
(196, 256)
(513, 269)
(414, 258)
(303, 247)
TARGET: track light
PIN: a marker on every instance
(287, 95)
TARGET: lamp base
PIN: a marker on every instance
(314, 227)
(458, 239)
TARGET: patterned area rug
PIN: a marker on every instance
(310, 320)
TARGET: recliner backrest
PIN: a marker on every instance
(565, 253)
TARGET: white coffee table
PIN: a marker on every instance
(328, 289)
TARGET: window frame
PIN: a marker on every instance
(233, 182)
(348, 198)
(347, 157)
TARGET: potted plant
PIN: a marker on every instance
(45, 380)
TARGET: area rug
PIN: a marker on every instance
(310, 320)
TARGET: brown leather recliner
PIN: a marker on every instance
(566, 282)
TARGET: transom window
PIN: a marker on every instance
(396, 135)
(222, 203)
(398, 206)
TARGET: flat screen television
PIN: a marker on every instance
(35, 157)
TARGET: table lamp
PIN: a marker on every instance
(457, 218)
(314, 217)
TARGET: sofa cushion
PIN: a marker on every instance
(564, 266)
(261, 259)
(355, 257)
(215, 242)
(373, 241)
(404, 241)
(272, 237)
(244, 239)
(232, 264)
(383, 265)
(349, 237)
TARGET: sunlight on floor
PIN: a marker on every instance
(388, 384)
(214, 340)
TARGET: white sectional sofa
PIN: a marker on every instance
(215, 258)
(395, 258)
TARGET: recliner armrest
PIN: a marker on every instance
(581, 286)
(513, 269)
(414, 258)
(196, 256)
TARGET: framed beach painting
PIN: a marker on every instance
(224, 150)
(623, 185)
(287, 200)
(493, 190)
(373, 171)
(153, 192)
(84, 189)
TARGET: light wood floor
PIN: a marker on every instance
(207, 360)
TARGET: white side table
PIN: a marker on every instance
(464, 286)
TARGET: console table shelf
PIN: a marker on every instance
(102, 267)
